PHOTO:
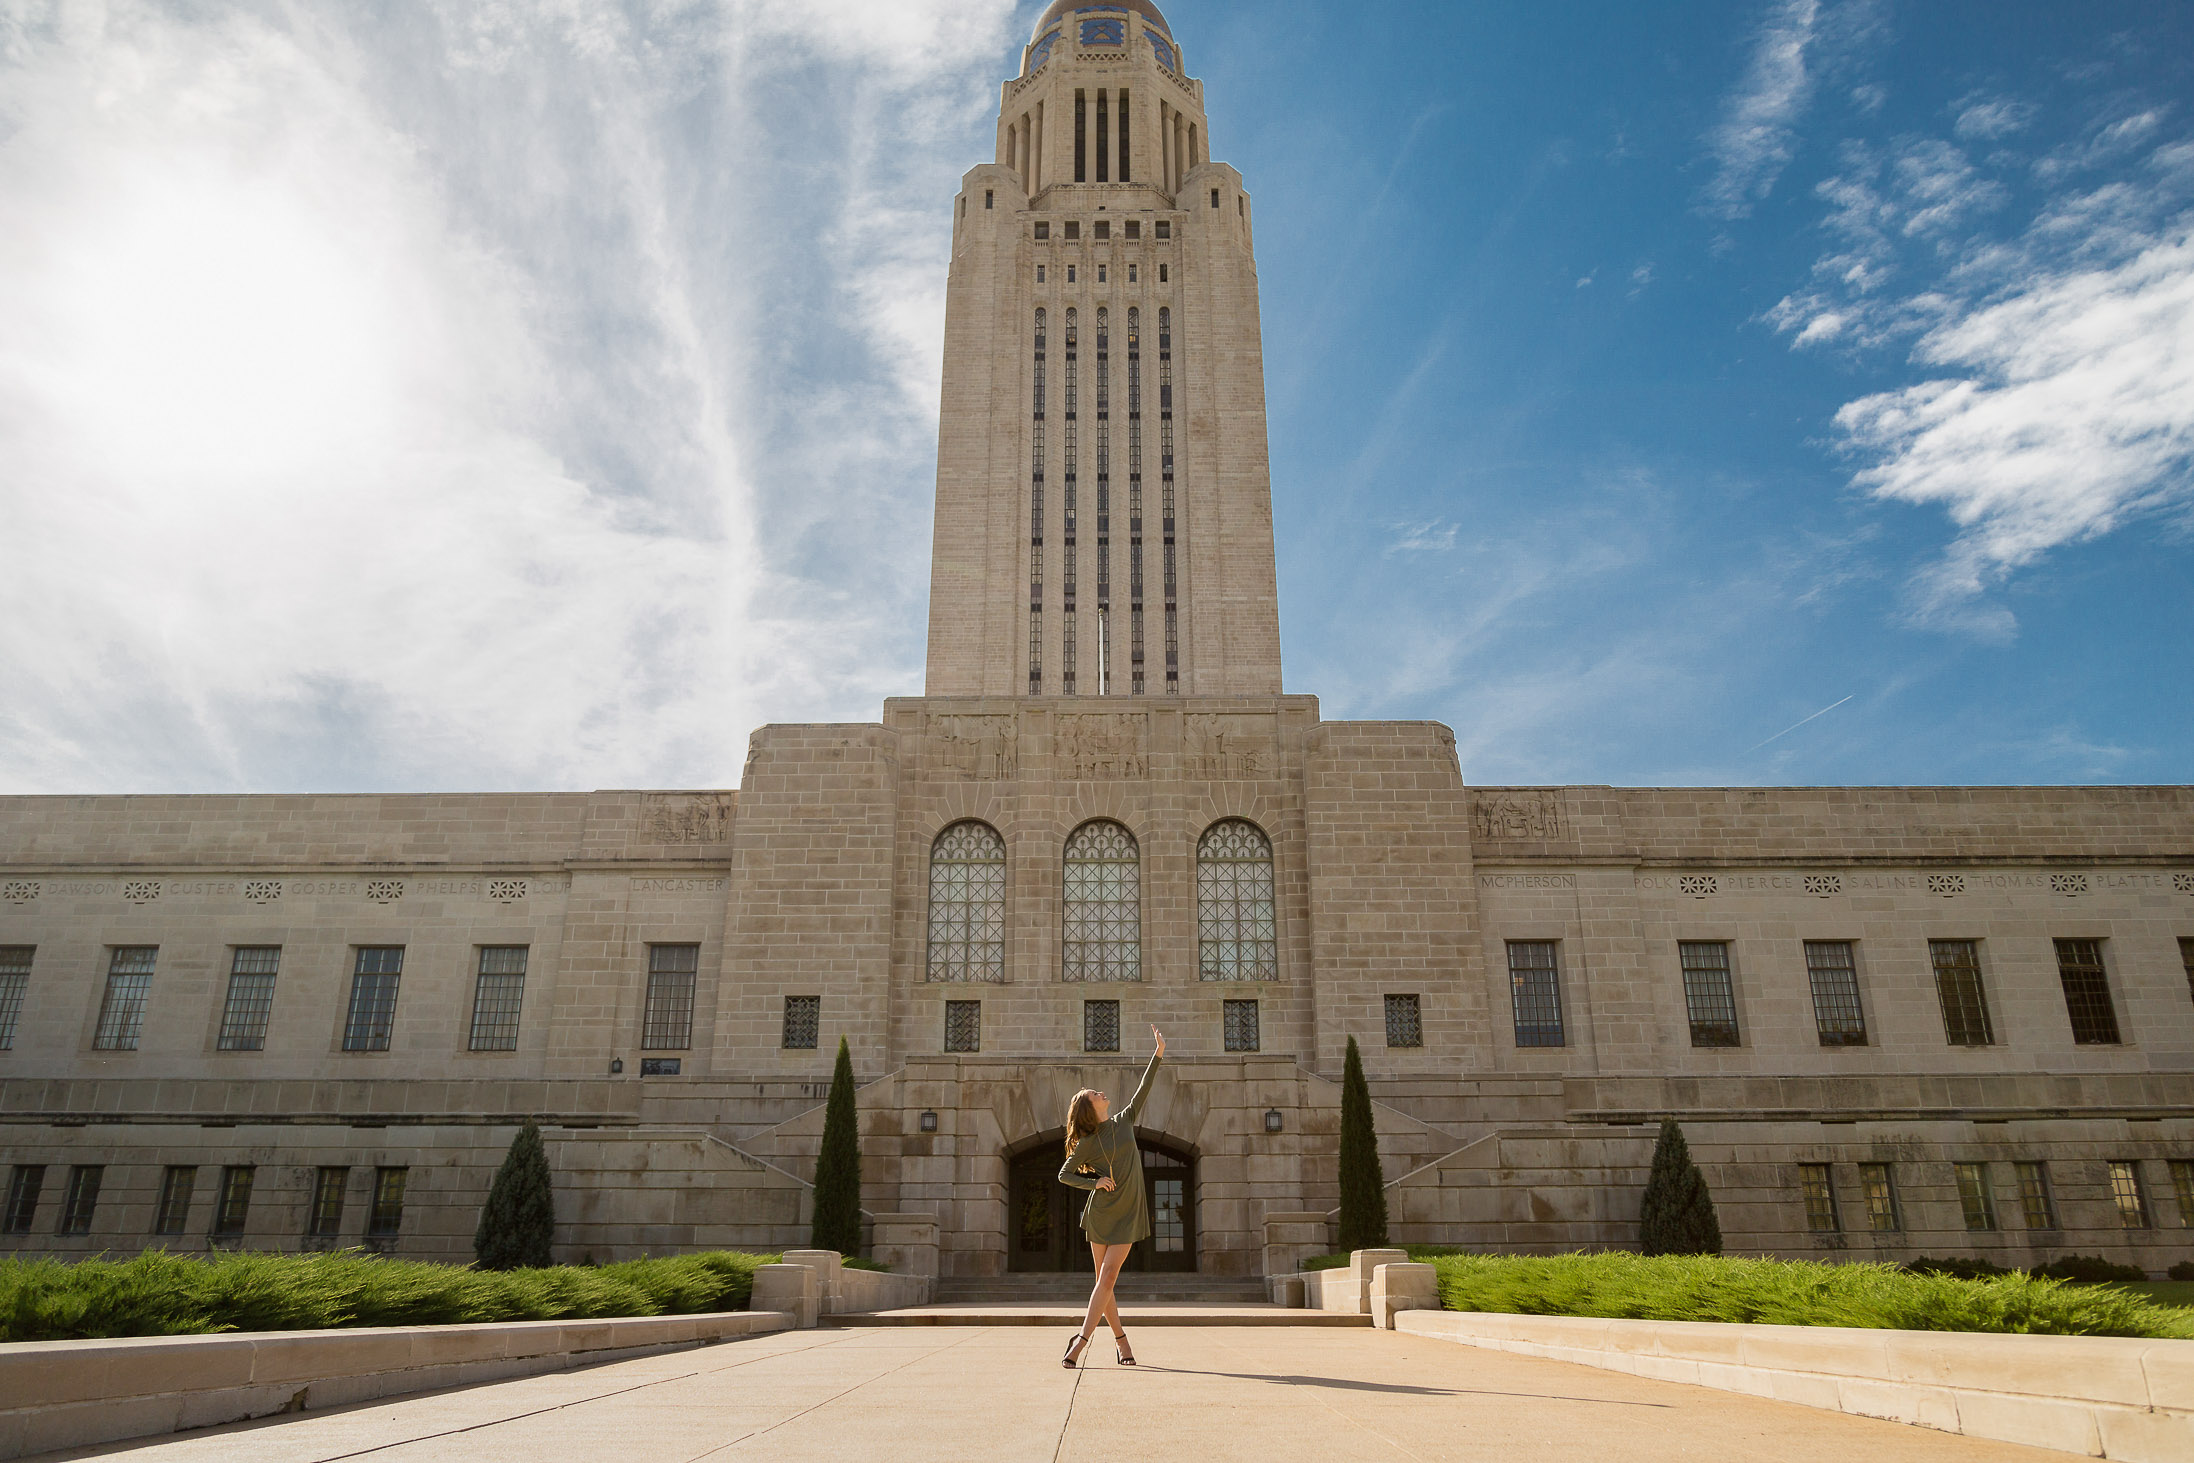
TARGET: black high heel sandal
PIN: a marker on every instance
(1073, 1357)
(1121, 1356)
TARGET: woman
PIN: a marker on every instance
(1103, 1158)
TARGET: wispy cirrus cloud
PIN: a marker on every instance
(1757, 135)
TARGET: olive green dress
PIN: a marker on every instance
(1120, 1217)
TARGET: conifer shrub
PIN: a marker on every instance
(518, 1223)
(2088, 1269)
(2184, 1270)
(1677, 1217)
(1961, 1267)
(1363, 1183)
(837, 1223)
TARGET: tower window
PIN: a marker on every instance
(1100, 274)
(1043, 232)
(987, 198)
(1123, 137)
(1162, 274)
(1236, 927)
(1134, 229)
(967, 904)
(1131, 274)
(1104, 229)
(1103, 925)
(1214, 198)
(1165, 228)
(1070, 274)
(1241, 207)
(1074, 228)
(1039, 274)
(1081, 138)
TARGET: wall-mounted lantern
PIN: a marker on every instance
(616, 1065)
(1272, 1120)
(929, 1122)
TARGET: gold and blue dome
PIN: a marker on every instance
(1102, 23)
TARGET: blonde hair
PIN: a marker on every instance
(1081, 1118)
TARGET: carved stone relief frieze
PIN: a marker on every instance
(1511, 817)
(687, 818)
(1229, 746)
(976, 748)
(1099, 746)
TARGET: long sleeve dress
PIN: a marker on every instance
(1120, 1217)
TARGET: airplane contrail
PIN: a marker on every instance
(1786, 731)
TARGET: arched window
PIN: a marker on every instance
(1236, 936)
(967, 904)
(1104, 906)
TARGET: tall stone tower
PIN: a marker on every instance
(1104, 492)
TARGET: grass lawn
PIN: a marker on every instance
(2164, 1292)
(159, 1294)
(1790, 1293)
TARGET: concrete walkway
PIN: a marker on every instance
(970, 1395)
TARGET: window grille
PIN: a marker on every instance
(83, 1198)
(177, 1183)
(2182, 1189)
(1837, 1016)
(1124, 147)
(129, 986)
(1135, 494)
(1104, 911)
(1959, 990)
(1036, 518)
(1236, 926)
(1976, 1196)
(250, 1002)
(1883, 1213)
(328, 1190)
(1165, 505)
(388, 1203)
(2129, 1195)
(1815, 1183)
(373, 983)
(1405, 1024)
(667, 1024)
(1081, 143)
(235, 1202)
(14, 982)
(1070, 502)
(1535, 992)
(25, 1181)
(963, 1026)
(1169, 1215)
(498, 996)
(2087, 992)
(1710, 998)
(2186, 958)
(967, 904)
(1104, 494)
(1100, 1026)
(2036, 1204)
(1238, 1023)
(803, 1023)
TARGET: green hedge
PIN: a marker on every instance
(159, 1294)
(1787, 1293)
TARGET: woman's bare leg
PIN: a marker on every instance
(1108, 1260)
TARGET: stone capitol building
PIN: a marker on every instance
(1893, 1021)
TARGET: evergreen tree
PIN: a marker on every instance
(1363, 1185)
(838, 1166)
(1678, 1215)
(518, 1222)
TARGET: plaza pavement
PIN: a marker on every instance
(973, 1394)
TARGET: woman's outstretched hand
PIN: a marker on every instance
(1159, 1037)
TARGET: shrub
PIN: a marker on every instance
(2088, 1269)
(2184, 1270)
(1677, 1217)
(1363, 1183)
(837, 1223)
(159, 1294)
(518, 1222)
(1960, 1267)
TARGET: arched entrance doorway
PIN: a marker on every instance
(1043, 1216)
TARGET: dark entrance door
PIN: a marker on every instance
(1043, 1216)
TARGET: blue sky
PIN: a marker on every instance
(477, 394)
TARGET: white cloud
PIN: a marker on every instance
(429, 404)
(1756, 137)
(1432, 536)
(1984, 119)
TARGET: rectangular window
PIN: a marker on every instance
(1880, 1185)
(251, 997)
(498, 994)
(25, 1181)
(1043, 232)
(1814, 1181)
(1134, 229)
(1975, 1195)
(1835, 976)
(1131, 274)
(1162, 272)
(83, 1198)
(2126, 1192)
(388, 1203)
(1239, 1022)
(1535, 992)
(1958, 988)
(988, 195)
(1710, 999)
(1039, 274)
(235, 1203)
(2036, 1205)
(328, 1188)
(374, 976)
(1405, 1024)
(803, 1023)
(2087, 992)
(963, 1026)
(2182, 1188)
(2186, 958)
(1100, 1026)
(14, 981)
(1070, 274)
(1214, 198)
(1074, 229)
(177, 1183)
(1165, 228)
(129, 985)
(668, 1025)
(1104, 229)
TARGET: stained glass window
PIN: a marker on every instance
(1104, 905)
(2035, 1201)
(1100, 1026)
(1709, 997)
(667, 1023)
(498, 995)
(250, 1001)
(14, 981)
(2130, 1197)
(2087, 992)
(1535, 991)
(967, 904)
(1976, 1196)
(1237, 933)
(129, 985)
(1837, 1017)
(1820, 1198)
(1238, 1026)
(1959, 990)
(373, 985)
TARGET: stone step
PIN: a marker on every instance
(1067, 1317)
(1074, 1288)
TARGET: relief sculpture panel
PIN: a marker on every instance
(1092, 747)
(1229, 746)
(1517, 817)
(687, 818)
(977, 748)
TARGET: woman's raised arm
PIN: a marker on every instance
(1134, 1108)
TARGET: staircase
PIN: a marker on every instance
(1073, 1287)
